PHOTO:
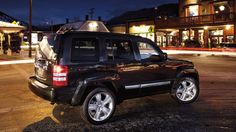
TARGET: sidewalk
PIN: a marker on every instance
(16, 58)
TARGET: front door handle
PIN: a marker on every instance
(99, 66)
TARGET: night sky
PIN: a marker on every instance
(57, 11)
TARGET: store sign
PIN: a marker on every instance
(151, 29)
(142, 29)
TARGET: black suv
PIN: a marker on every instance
(97, 70)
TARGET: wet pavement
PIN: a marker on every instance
(21, 110)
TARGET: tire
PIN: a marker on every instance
(99, 106)
(185, 90)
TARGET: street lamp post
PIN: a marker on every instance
(30, 28)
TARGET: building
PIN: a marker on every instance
(143, 22)
(210, 22)
(10, 30)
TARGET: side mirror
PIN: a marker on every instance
(155, 58)
(164, 56)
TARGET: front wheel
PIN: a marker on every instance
(98, 106)
(185, 90)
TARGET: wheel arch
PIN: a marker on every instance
(190, 72)
(89, 85)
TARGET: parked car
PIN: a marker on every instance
(192, 43)
(227, 45)
(96, 71)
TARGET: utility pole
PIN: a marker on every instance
(51, 26)
(30, 28)
(155, 25)
(91, 12)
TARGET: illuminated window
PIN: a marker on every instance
(185, 35)
(230, 39)
(193, 10)
(216, 32)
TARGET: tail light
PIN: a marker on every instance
(60, 75)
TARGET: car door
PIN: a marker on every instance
(156, 76)
(121, 58)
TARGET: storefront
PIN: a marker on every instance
(209, 36)
(167, 37)
(9, 33)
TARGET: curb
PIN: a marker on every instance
(16, 62)
(207, 53)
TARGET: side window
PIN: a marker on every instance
(146, 50)
(84, 50)
(119, 50)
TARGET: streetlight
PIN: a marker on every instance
(30, 28)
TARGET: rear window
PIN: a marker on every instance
(84, 50)
(53, 42)
(49, 46)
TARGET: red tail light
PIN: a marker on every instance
(60, 75)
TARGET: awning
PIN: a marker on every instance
(10, 28)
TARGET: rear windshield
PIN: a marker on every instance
(84, 50)
(53, 42)
(49, 46)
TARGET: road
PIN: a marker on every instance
(21, 110)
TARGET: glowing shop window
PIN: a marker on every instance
(216, 32)
(185, 35)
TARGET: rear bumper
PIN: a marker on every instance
(41, 89)
(57, 95)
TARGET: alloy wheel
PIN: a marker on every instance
(100, 106)
(186, 91)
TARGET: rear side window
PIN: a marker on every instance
(119, 50)
(84, 50)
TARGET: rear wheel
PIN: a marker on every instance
(98, 106)
(185, 90)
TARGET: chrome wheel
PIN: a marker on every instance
(186, 91)
(100, 106)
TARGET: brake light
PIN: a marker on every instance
(60, 75)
